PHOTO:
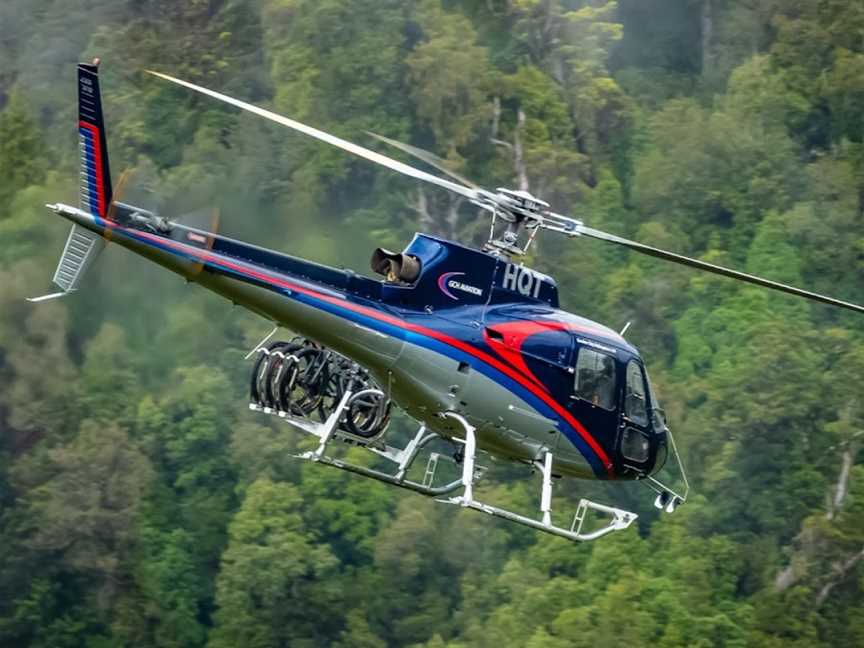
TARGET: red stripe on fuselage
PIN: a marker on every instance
(512, 354)
(514, 334)
(370, 312)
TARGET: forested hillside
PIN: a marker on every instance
(142, 504)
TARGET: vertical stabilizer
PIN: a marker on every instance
(95, 174)
(83, 246)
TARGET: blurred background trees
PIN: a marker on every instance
(142, 505)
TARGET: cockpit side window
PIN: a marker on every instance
(635, 404)
(595, 378)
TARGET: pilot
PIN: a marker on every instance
(605, 385)
(597, 383)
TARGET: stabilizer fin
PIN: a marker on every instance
(82, 245)
(36, 300)
(82, 248)
(96, 192)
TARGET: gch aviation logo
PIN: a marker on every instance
(446, 283)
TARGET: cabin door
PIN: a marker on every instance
(634, 440)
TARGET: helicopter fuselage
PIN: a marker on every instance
(473, 334)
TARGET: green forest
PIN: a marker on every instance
(143, 504)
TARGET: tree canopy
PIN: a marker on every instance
(142, 504)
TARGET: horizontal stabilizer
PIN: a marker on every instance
(82, 248)
(36, 300)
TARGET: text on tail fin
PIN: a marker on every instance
(95, 173)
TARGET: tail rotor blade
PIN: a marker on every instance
(205, 218)
(357, 150)
(118, 194)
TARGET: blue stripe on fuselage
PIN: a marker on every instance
(411, 337)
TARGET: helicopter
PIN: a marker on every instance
(468, 341)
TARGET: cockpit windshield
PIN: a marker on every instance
(658, 416)
(595, 378)
(635, 400)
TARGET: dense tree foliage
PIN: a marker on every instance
(141, 504)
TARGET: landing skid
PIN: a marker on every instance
(619, 519)
(404, 458)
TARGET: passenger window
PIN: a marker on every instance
(595, 378)
(634, 397)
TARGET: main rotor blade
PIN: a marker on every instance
(360, 151)
(429, 158)
(715, 269)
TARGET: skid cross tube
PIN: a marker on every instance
(618, 518)
(330, 430)
(430, 491)
(404, 458)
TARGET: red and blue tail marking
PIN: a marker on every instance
(95, 174)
